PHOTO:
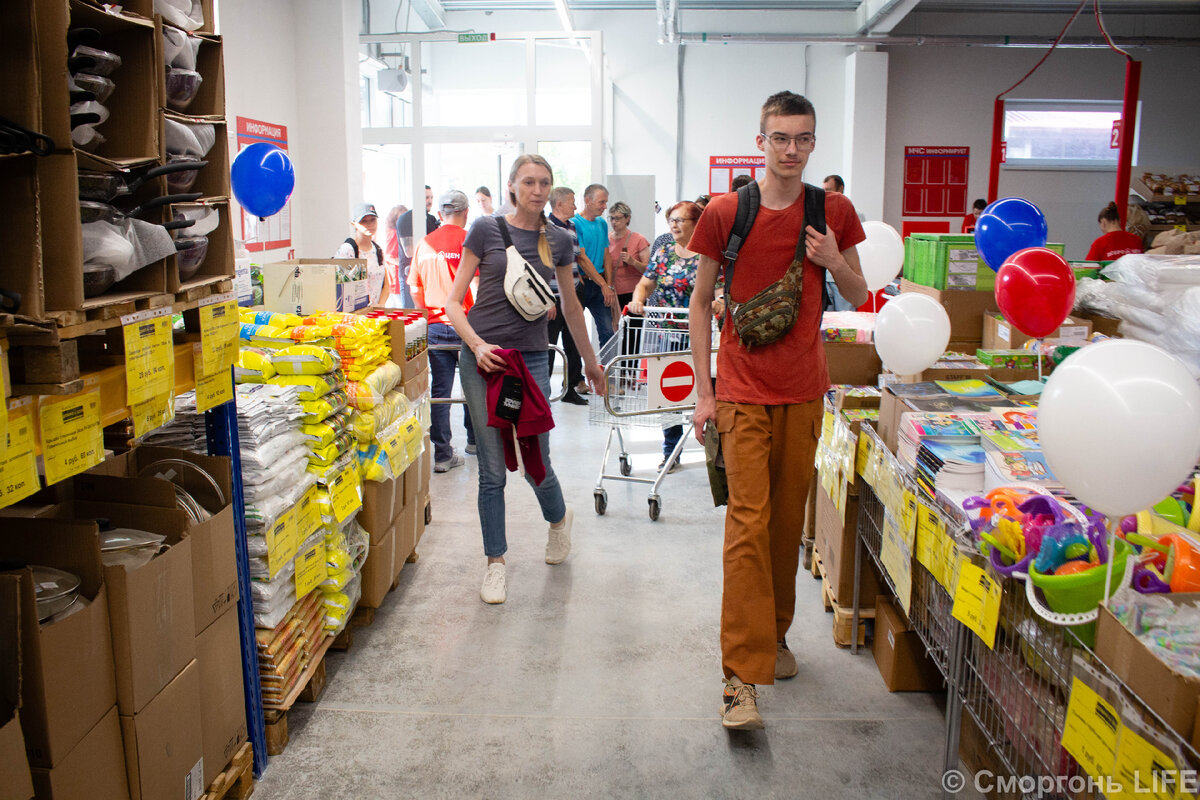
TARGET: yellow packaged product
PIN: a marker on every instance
(337, 559)
(305, 359)
(253, 365)
(265, 335)
(365, 394)
(373, 463)
(312, 387)
(275, 319)
(322, 433)
(322, 408)
(336, 581)
(337, 610)
(328, 454)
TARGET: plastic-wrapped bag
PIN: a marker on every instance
(305, 359)
(1155, 272)
(312, 387)
(189, 139)
(253, 365)
(366, 394)
(374, 464)
(324, 407)
(323, 433)
(186, 14)
(329, 454)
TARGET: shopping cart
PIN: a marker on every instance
(650, 384)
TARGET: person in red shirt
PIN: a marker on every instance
(767, 401)
(430, 277)
(1114, 242)
(970, 220)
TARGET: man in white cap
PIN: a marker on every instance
(430, 277)
(361, 244)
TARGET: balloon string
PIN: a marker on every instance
(1061, 34)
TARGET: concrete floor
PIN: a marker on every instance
(599, 677)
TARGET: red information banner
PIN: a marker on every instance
(276, 231)
(935, 181)
(723, 169)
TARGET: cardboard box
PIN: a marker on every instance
(18, 227)
(965, 309)
(209, 100)
(222, 696)
(852, 362)
(416, 386)
(903, 662)
(842, 398)
(377, 572)
(1000, 334)
(214, 562)
(212, 181)
(1172, 695)
(406, 534)
(218, 261)
(307, 285)
(132, 131)
(413, 367)
(1101, 324)
(164, 749)
(94, 769)
(20, 103)
(412, 483)
(383, 502)
(422, 504)
(67, 678)
(835, 543)
(890, 409)
(15, 783)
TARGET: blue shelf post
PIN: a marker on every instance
(222, 428)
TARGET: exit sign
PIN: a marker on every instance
(469, 38)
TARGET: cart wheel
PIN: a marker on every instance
(601, 501)
(626, 467)
(655, 507)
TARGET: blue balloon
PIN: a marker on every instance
(1006, 226)
(263, 179)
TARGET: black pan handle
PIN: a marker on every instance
(78, 36)
(85, 118)
(178, 166)
(165, 200)
(178, 224)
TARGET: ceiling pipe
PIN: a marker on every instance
(884, 14)
(909, 41)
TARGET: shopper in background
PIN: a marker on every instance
(429, 280)
(739, 182)
(1137, 221)
(834, 183)
(562, 204)
(767, 403)
(668, 283)
(600, 301)
(404, 232)
(1114, 241)
(364, 221)
(391, 244)
(483, 196)
(972, 219)
(494, 323)
(628, 250)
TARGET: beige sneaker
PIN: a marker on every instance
(785, 662)
(558, 543)
(739, 706)
(494, 589)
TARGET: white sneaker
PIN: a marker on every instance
(455, 460)
(494, 589)
(558, 543)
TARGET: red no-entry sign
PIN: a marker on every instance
(677, 381)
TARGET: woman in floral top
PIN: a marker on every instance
(668, 283)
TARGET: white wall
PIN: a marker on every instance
(294, 63)
(944, 96)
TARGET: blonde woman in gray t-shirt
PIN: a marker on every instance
(493, 324)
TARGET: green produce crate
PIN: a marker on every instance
(949, 261)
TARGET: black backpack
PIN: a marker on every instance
(749, 200)
(378, 250)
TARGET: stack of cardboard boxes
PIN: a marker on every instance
(138, 693)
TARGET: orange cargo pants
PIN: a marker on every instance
(769, 453)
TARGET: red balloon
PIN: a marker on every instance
(1035, 289)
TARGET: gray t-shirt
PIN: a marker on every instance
(492, 316)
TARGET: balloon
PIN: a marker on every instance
(911, 332)
(262, 178)
(1006, 226)
(881, 255)
(1035, 290)
(1119, 422)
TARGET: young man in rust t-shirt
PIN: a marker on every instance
(767, 403)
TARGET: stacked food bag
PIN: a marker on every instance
(286, 649)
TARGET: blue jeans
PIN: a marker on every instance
(442, 364)
(492, 472)
(591, 297)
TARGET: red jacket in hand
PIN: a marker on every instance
(535, 417)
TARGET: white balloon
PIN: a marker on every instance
(881, 255)
(911, 332)
(1119, 422)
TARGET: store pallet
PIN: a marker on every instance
(309, 688)
(202, 288)
(362, 617)
(843, 616)
(344, 640)
(236, 782)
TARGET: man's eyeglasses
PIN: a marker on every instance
(680, 220)
(779, 141)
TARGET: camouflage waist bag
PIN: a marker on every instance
(772, 312)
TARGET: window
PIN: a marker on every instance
(1062, 134)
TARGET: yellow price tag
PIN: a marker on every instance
(3, 404)
(908, 517)
(897, 560)
(393, 444)
(1180, 199)
(149, 359)
(925, 539)
(1090, 730)
(977, 601)
(863, 455)
(345, 493)
(282, 542)
(213, 390)
(827, 428)
(218, 334)
(18, 464)
(152, 414)
(1142, 770)
(308, 513)
(72, 436)
(310, 569)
